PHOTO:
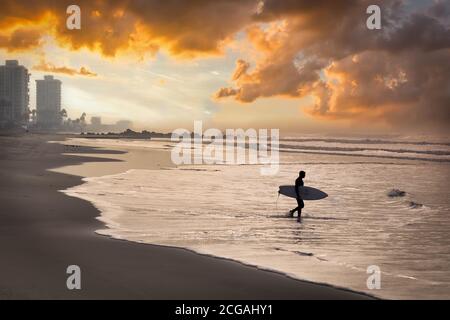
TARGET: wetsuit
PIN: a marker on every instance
(300, 203)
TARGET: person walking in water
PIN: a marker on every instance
(300, 203)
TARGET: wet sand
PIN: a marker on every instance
(42, 231)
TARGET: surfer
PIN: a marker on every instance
(300, 203)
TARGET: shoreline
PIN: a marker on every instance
(40, 242)
(278, 272)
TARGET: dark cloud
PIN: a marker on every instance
(398, 75)
(226, 92)
(419, 31)
(21, 39)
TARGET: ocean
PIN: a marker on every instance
(388, 206)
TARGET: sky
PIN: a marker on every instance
(300, 66)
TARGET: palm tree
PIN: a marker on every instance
(26, 115)
(83, 118)
(63, 114)
(83, 121)
(33, 116)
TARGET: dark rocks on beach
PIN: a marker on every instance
(415, 205)
(396, 193)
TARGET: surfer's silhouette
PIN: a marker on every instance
(300, 203)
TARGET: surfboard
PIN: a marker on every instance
(306, 193)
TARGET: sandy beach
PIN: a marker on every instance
(43, 231)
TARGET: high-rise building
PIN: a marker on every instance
(96, 121)
(96, 124)
(14, 94)
(48, 102)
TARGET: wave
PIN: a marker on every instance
(415, 205)
(287, 215)
(359, 149)
(394, 193)
(366, 155)
(322, 218)
(367, 141)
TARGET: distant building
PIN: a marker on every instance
(97, 126)
(96, 121)
(123, 125)
(14, 94)
(48, 102)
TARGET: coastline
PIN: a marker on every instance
(44, 231)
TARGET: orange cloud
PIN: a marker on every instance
(226, 92)
(241, 69)
(183, 28)
(21, 39)
(49, 67)
(303, 48)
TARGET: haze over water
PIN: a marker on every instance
(232, 211)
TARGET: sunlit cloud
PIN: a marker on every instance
(320, 52)
(49, 67)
